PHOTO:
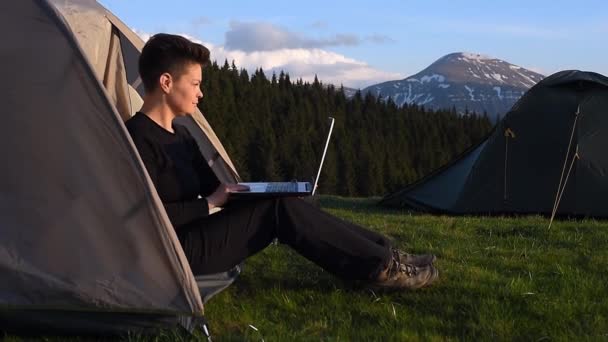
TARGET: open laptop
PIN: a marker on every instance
(294, 188)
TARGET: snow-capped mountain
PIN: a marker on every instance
(464, 80)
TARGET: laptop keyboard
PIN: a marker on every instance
(282, 187)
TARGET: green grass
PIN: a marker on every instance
(501, 278)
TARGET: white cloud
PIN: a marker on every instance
(330, 67)
(259, 36)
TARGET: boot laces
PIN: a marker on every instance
(396, 266)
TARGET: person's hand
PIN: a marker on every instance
(220, 196)
(236, 187)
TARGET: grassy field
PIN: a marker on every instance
(501, 278)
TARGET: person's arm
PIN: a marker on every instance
(184, 212)
(217, 193)
(180, 212)
(207, 178)
(214, 192)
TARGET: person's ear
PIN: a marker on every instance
(166, 82)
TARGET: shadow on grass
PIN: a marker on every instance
(359, 205)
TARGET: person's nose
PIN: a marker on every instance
(200, 94)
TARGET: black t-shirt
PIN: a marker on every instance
(176, 166)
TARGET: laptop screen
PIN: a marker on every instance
(331, 127)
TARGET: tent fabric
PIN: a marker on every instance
(35, 322)
(116, 64)
(530, 158)
(212, 284)
(85, 243)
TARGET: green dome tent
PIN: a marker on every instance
(547, 156)
(85, 243)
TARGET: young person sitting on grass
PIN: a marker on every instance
(171, 68)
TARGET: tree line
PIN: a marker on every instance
(275, 129)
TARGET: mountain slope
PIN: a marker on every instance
(463, 80)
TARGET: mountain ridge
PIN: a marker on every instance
(463, 80)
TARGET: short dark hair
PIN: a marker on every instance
(168, 53)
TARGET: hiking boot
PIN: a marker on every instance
(405, 276)
(414, 259)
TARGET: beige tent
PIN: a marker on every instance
(85, 243)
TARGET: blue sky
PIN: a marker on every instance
(359, 43)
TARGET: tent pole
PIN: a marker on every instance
(574, 158)
(559, 187)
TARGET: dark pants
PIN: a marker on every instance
(219, 242)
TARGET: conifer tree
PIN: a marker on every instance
(275, 129)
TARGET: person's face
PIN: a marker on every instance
(184, 91)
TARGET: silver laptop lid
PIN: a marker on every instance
(331, 127)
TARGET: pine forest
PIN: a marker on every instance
(274, 129)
